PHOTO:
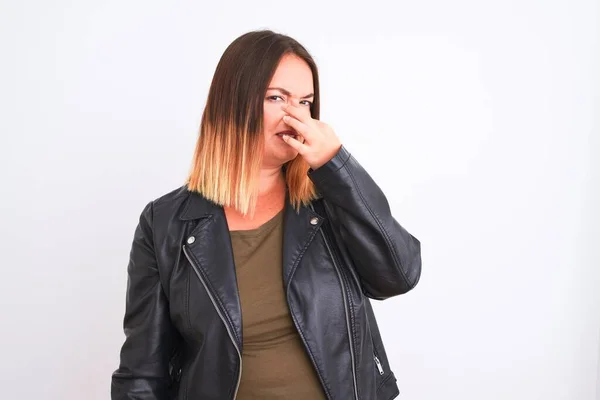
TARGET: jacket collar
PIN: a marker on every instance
(197, 206)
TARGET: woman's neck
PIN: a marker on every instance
(271, 179)
(271, 199)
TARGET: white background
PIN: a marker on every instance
(479, 120)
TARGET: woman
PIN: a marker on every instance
(252, 280)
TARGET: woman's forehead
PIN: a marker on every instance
(293, 77)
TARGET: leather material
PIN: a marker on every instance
(183, 321)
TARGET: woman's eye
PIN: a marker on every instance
(275, 97)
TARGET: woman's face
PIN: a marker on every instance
(293, 84)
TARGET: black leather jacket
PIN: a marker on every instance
(183, 322)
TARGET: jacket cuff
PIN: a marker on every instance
(329, 169)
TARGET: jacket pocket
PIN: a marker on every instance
(381, 368)
(385, 381)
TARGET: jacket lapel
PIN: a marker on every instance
(212, 255)
(298, 232)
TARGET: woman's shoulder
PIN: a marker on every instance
(176, 204)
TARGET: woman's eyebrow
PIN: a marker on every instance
(282, 90)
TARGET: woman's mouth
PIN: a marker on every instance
(288, 133)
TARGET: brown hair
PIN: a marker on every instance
(229, 149)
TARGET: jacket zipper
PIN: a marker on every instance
(376, 358)
(344, 295)
(220, 316)
(379, 367)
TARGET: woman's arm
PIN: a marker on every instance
(387, 258)
(143, 372)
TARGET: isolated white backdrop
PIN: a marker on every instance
(477, 118)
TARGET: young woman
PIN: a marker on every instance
(253, 279)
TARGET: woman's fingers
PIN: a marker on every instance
(299, 121)
(296, 144)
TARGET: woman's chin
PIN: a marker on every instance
(288, 155)
(280, 155)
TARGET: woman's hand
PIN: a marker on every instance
(320, 141)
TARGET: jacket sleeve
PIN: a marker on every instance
(386, 257)
(143, 372)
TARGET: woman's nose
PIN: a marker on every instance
(297, 104)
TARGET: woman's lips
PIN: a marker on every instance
(289, 133)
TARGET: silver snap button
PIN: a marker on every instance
(314, 220)
(191, 240)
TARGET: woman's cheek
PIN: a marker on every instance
(272, 113)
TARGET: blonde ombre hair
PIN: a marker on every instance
(229, 150)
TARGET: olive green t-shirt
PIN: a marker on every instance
(275, 364)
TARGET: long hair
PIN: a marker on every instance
(229, 150)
